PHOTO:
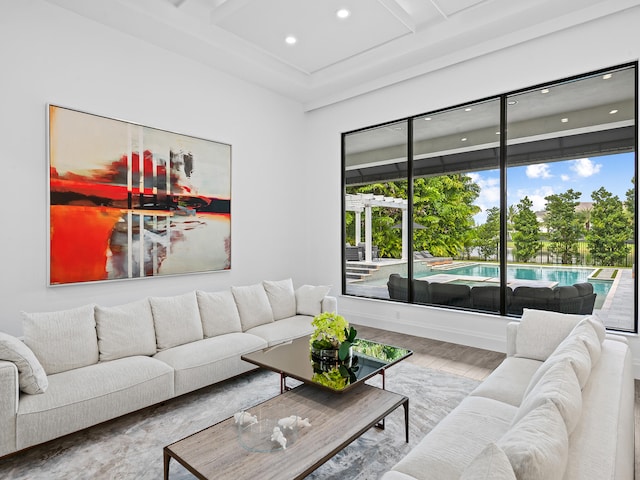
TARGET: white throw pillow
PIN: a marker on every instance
(125, 330)
(31, 376)
(541, 331)
(176, 319)
(282, 298)
(309, 299)
(559, 385)
(218, 312)
(586, 331)
(62, 340)
(538, 445)
(253, 305)
(573, 350)
(490, 464)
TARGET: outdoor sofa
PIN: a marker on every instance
(559, 407)
(79, 367)
(577, 299)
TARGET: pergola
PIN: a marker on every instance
(364, 202)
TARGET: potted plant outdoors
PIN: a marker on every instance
(332, 338)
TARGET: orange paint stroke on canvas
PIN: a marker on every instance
(79, 242)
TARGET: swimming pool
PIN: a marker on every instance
(562, 275)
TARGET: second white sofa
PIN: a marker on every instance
(560, 407)
(79, 367)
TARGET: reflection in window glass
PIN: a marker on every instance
(526, 200)
(571, 197)
(375, 203)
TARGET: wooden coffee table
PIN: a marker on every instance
(336, 421)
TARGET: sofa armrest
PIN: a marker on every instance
(512, 333)
(617, 338)
(329, 304)
(9, 396)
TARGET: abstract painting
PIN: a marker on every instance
(130, 201)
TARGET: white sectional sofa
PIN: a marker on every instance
(79, 367)
(560, 406)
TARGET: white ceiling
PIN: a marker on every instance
(381, 43)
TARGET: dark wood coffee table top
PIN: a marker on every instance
(293, 359)
(336, 420)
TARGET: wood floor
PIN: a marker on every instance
(466, 361)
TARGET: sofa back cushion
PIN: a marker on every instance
(309, 299)
(32, 378)
(490, 464)
(218, 313)
(253, 305)
(282, 298)
(540, 332)
(559, 385)
(538, 445)
(62, 340)
(176, 320)
(125, 330)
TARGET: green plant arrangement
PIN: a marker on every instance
(332, 332)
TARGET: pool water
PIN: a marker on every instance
(562, 275)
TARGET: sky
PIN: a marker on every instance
(585, 175)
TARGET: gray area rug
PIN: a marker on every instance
(131, 447)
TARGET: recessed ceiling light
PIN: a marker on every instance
(468, 109)
(463, 139)
(613, 111)
(291, 40)
(343, 13)
(544, 90)
(427, 119)
(512, 102)
(497, 133)
(607, 76)
(564, 120)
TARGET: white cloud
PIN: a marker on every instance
(489, 194)
(536, 196)
(584, 167)
(565, 178)
(541, 170)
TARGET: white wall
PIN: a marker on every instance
(49, 55)
(599, 44)
(286, 166)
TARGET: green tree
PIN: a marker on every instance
(443, 205)
(564, 224)
(488, 234)
(526, 236)
(630, 202)
(610, 229)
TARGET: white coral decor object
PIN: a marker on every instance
(293, 422)
(245, 418)
(278, 436)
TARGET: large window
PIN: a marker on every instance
(526, 200)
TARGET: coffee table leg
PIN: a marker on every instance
(167, 459)
(405, 405)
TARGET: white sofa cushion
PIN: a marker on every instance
(538, 445)
(574, 350)
(253, 305)
(31, 376)
(176, 319)
(284, 330)
(125, 330)
(559, 385)
(509, 381)
(218, 313)
(309, 299)
(541, 331)
(62, 340)
(490, 464)
(282, 298)
(587, 331)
